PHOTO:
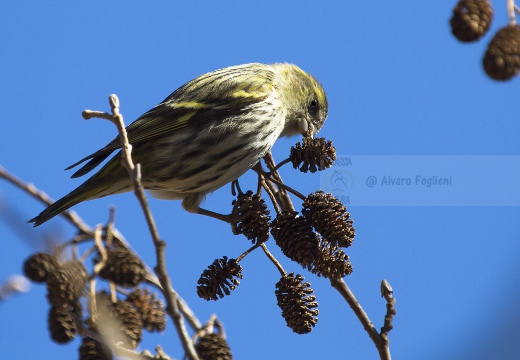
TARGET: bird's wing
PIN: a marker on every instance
(210, 97)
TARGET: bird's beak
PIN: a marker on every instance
(307, 129)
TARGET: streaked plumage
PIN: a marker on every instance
(206, 134)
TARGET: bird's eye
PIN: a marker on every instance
(313, 104)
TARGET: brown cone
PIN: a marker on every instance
(313, 154)
(298, 303)
(252, 217)
(295, 237)
(329, 217)
(91, 349)
(502, 58)
(39, 265)
(61, 325)
(66, 283)
(471, 19)
(150, 308)
(219, 279)
(123, 268)
(213, 347)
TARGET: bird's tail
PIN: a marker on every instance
(110, 179)
(82, 193)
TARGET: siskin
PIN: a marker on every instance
(206, 134)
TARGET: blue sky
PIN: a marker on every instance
(397, 83)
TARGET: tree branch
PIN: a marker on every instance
(29, 188)
(348, 295)
(160, 268)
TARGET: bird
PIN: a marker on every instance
(205, 134)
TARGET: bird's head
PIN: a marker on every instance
(304, 100)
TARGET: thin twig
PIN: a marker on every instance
(259, 184)
(271, 165)
(85, 232)
(388, 294)
(245, 253)
(110, 226)
(189, 315)
(220, 327)
(92, 303)
(284, 199)
(267, 185)
(270, 194)
(283, 186)
(29, 188)
(273, 176)
(511, 6)
(160, 268)
(282, 163)
(273, 259)
(209, 328)
(348, 295)
(87, 253)
(101, 250)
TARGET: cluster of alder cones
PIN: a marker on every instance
(125, 317)
(132, 310)
(471, 20)
(314, 238)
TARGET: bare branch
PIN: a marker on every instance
(388, 294)
(348, 295)
(281, 194)
(160, 269)
(273, 259)
(283, 198)
(511, 7)
(189, 315)
(29, 188)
